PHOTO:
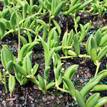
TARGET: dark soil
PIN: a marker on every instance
(29, 95)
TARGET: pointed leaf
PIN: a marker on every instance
(11, 84)
(70, 71)
(2, 29)
(50, 85)
(102, 53)
(100, 87)
(27, 64)
(80, 99)
(92, 100)
(101, 102)
(41, 83)
(35, 68)
(70, 86)
(13, 20)
(6, 56)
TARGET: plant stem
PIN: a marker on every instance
(5, 86)
(31, 2)
(97, 68)
(81, 56)
(67, 47)
(84, 56)
(66, 57)
(61, 89)
(18, 40)
(33, 79)
(50, 19)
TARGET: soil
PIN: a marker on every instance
(29, 95)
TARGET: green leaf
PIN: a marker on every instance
(59, 7)
(92, 48)
(6, 2)
(98, 35)
(59, 81)
(85, 4)
(84, 31)
(76, 44)
(50, 85)
(88, 45)
(2, 29)
(1, 77)
(70, 86)
(23, 40)
(67, 41)
(89, 86)
(57, 71)
(57, 26)
(25, 9)
(103, 41)
(34, 70)
(6, 13)
(13, 20)
(70, 71)
(100, 87)
(41, 83)
(19, 69)
(9, 66)
(6, 55)
(46, 52)
(72, 53)
(53, 38)
(102, 53)
(73, 9)
(27, 64)
(7, 24)
(92, 100)
(53, 6)
(101, 102)
(21, 78)
(11, 84)
(80, 99)
(24, 50)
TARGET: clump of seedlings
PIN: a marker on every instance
(34, 23)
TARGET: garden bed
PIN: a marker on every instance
(64, 60)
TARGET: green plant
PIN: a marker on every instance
(49, 47)
(54, 7)
(3, 80)
(72, 42)
(96, 47)
(59, 72)
(6, 56)
(81, 96)
(98, 6)
(9, 61)
(43, 82)
(11, 83)
(26, 20)
(24, 72)
(75, 6)
(18, 19)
